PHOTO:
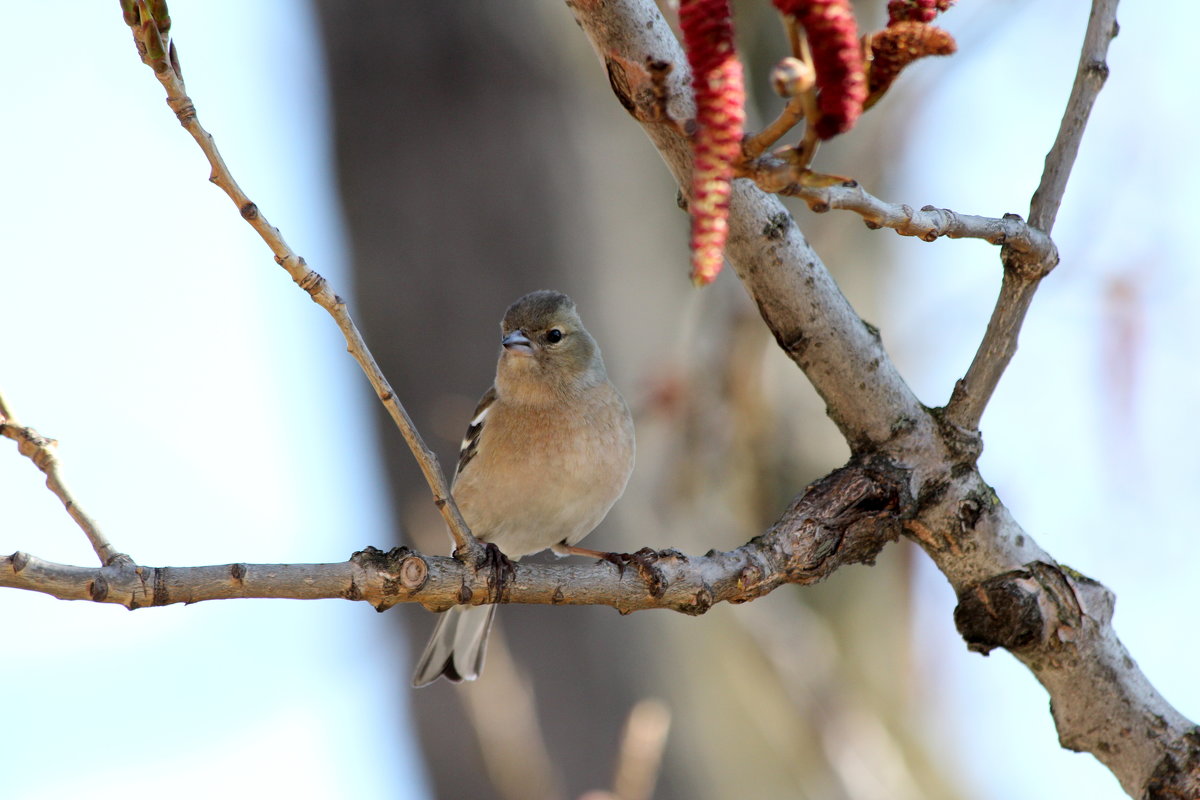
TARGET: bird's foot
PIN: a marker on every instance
(644, 561)
(502, 569)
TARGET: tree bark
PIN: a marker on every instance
(1102, 702)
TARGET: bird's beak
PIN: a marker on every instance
(517, 342)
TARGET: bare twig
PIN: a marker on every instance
(794, 78)
(845, 518)
(40, 450)
(776, 175)
(1090, 76)
(1023, 274)
(150, 35)
(789, 116)
(806, 151)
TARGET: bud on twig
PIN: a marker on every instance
(792, 77)
(833, 37)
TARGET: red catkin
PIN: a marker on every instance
(837, 57)
(720, 117)
(915, 10)
(898, 45)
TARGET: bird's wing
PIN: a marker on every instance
(470, 442)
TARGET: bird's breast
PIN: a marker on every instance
(541, 477)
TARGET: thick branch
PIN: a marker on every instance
(799, 301)
(151, 41)
(846, 518)
(1023, 273)
(1061, 628)
(1058, 623)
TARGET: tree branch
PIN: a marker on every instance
(1060, 625)
(928, 224)
(1023, 272)
(41, 451)
(798, 299)
(920, 472)
(1090, 77)
(845, 518)
(150, 27)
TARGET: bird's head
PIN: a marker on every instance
(546, 351)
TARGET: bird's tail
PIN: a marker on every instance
(457, 646)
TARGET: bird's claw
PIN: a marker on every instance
(644, 562)
(502, 569)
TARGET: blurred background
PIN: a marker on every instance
(436, 161)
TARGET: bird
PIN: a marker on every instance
(547, 453)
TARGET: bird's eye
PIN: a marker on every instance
(554, 336)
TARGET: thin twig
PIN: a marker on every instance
(802, 104)
(788, 118)
(1090, 76)
(807, 149)
(1021, 273)
(40, 450)
(774, 174)
(151, 40)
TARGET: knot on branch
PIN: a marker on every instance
(400, 571)
(643, 89)
(185, 110)
(1177, 773)
(1042, 604)
(312, 282)
(965, 444)
(1028, 253)
(1002, 611)
(845, 518)
(19, 560)
(31, 444)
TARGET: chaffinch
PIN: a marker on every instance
(547, 453)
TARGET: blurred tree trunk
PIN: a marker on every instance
(459, 181)
(470, 142)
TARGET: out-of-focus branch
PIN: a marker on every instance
(504, 716)
(640, 755)
(845, 518)
(1023, 273)
(150, 26)
(41, 451)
